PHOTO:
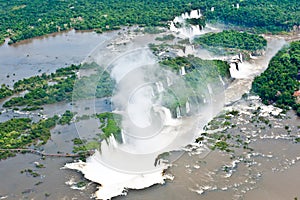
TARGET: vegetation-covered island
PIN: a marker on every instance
(230, 41)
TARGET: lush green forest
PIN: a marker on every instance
(58, 86)
(5, 91)
(233, 40)
(199, 74)
(22, 19)
(21, 132)
(110, 125)
(279, 82)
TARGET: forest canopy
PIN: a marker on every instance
(22, 19)
(233, 39)
(279, 82)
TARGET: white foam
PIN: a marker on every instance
(114, 183)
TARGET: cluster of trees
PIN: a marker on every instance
(233, 40)
(21, 19)
(66, 118)
(165, 37)
(110, 125)
(41, 17)
(279, 82)
(5, 91)
(41, 92)
(97, 85)
(199, 74)
(200, 21)
(47, 94)
(22, 132)
(257, 15)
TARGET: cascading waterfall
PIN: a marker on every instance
(113, 141)
(159, 86)
(184, 29)
(189, 49)
(182, 71)
(178, 112)
(138, 97)
(169, 82)
(187, 107)
(221, 79)
(123, 137)
(209, 89)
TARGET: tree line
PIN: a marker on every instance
(22, 19)
(233, 40)
(278, 83)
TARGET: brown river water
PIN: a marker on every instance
(197, 176)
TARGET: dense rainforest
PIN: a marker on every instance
(233, 40)
(63, 85)
(22, 19)
(199, 74)
(278, 84)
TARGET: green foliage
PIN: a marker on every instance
(42, 17)
(21, 132)
(233, 39)
(200, 21)
(222, 145)
(199, 73)
(66, 118)
(110, 125)
(165, 37)
(278, 83)
(77, 141)
(81, 184)
(32, 108)
(58, 86)
(152, 30)
(5, 91)
(257, 15)
(97, 85)
(22, 19)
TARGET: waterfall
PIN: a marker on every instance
(187, 31)
(152, 92)
(187, 106)
(196, 14)
(173, 28)
(209, 89)
(167, 115)
(241, 57)
(196, 30)
(178, 113)
(221, 79)
(182, 71)
(169, 82)
(123, 137)
(189, 49)
(112, 141)
(160, 86)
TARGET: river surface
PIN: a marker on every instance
(46, 54)
(193, 172)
